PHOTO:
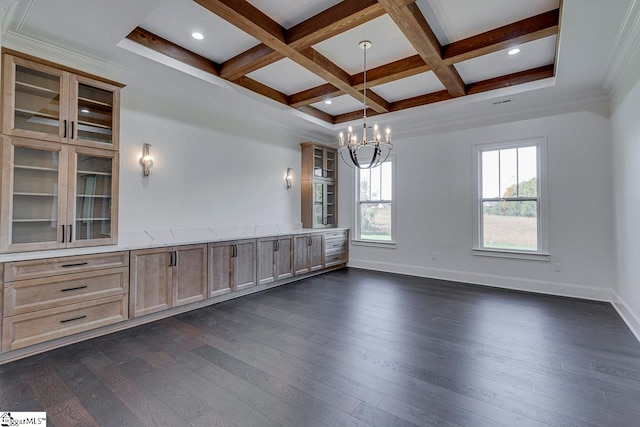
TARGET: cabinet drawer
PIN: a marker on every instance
(335, 259)
(22, 270)
(335, 245)
(32, 328)
(336, 234)
(25, 296)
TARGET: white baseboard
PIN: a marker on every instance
(628, 315)
(506, 282)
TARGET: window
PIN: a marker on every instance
(510, 213)
(374, 199)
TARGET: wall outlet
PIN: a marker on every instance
(556, 267)
(433, 256)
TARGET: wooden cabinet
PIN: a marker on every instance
(319, 186)
(57, 196)
(54, 298)
(47, 102)
(275, 259)
(232, 266)
(308, 253)
(336, 248)
(167, 277)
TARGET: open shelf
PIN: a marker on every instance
(35, 194)
(36, 113)
(94, 173)
(35, 89)
(35, 220)
(35, 168)
(94, 102)
(93, 196)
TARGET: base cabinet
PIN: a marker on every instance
(232, 266)
(308, 253)
(167, 277)
(275, 259)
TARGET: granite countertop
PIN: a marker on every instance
(160, 238)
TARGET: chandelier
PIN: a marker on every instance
(361, 152)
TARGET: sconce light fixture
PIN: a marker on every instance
(146, 160)
(288, 179)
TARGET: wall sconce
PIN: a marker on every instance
(288, 179)
(146, 160)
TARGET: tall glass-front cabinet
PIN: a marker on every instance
(59, 158)
(319, 174)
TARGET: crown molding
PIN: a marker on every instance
(7, 10)
(627, 41)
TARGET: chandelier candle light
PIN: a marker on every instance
(364, 153)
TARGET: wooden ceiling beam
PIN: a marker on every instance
(315, 94)
(255, 23)
(250, 60)
(172, 50)
(416, 29)
(534, 28)
(353, 116)
(262, 89)
(314, 112)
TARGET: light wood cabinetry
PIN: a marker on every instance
(319, 175)
(232, 266)
(54, 298)
(44, 101)
(57, 196)
(275, 259)
(336, 248)
(308, 253)
(167, 277)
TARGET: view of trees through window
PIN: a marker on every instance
(510, 199)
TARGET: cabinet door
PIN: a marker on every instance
(319, 189)
(301, 258)
(266, 260)
(220, 259)
(318, 162)
(330, 163)
(35, 100)
(150, 284)
(284, 258)
(244, 266)
(94, 113)
(189, 274)
(34, 195)
(316, 251)
(330, 214)
(93, 197)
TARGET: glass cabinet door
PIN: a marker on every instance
(318, 204)
(33, 207)
(324, 205)
(330, 205)
(318, 162)
(93, 113)
(92, 192)
(330, 164)
(38, 102)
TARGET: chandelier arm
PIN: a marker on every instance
(354, 158)
(374, 158)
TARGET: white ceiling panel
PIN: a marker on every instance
(410, 87)
(339, 105)
(453, 20)
(288, 13)
(176, 20)
(389, 44)
(287, 77)
(533, 54)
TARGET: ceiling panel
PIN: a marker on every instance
(533, 54)
(288, 13)
(389, 44)
(339, 105)
(286, 76)
(410, 87)
(454, 20)
(176, 20)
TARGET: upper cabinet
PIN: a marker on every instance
(319, 176)
(47, 103)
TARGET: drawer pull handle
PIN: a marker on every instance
(337, 245)
(74, 289)
(72, 319)
(75, 265)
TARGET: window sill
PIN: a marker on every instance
(375, 243)
(530, 256)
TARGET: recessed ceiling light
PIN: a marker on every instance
(328, 102)
(514, 51)
(197, 36)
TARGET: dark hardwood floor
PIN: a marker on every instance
(348, 348)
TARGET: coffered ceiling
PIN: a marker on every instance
(303, 53)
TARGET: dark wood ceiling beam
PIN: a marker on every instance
(419, 100)
(262, 89)
(255, 23)
(353, 116)
(514, 79)
(314, 112)
(315, 94)
(165, 47)
(536, 27)
(250, 60)
(416, 29)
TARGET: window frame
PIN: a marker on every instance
(372, 242)
(542, 254)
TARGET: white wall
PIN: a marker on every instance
(210, 169)
(625, 125)
(434, 207)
